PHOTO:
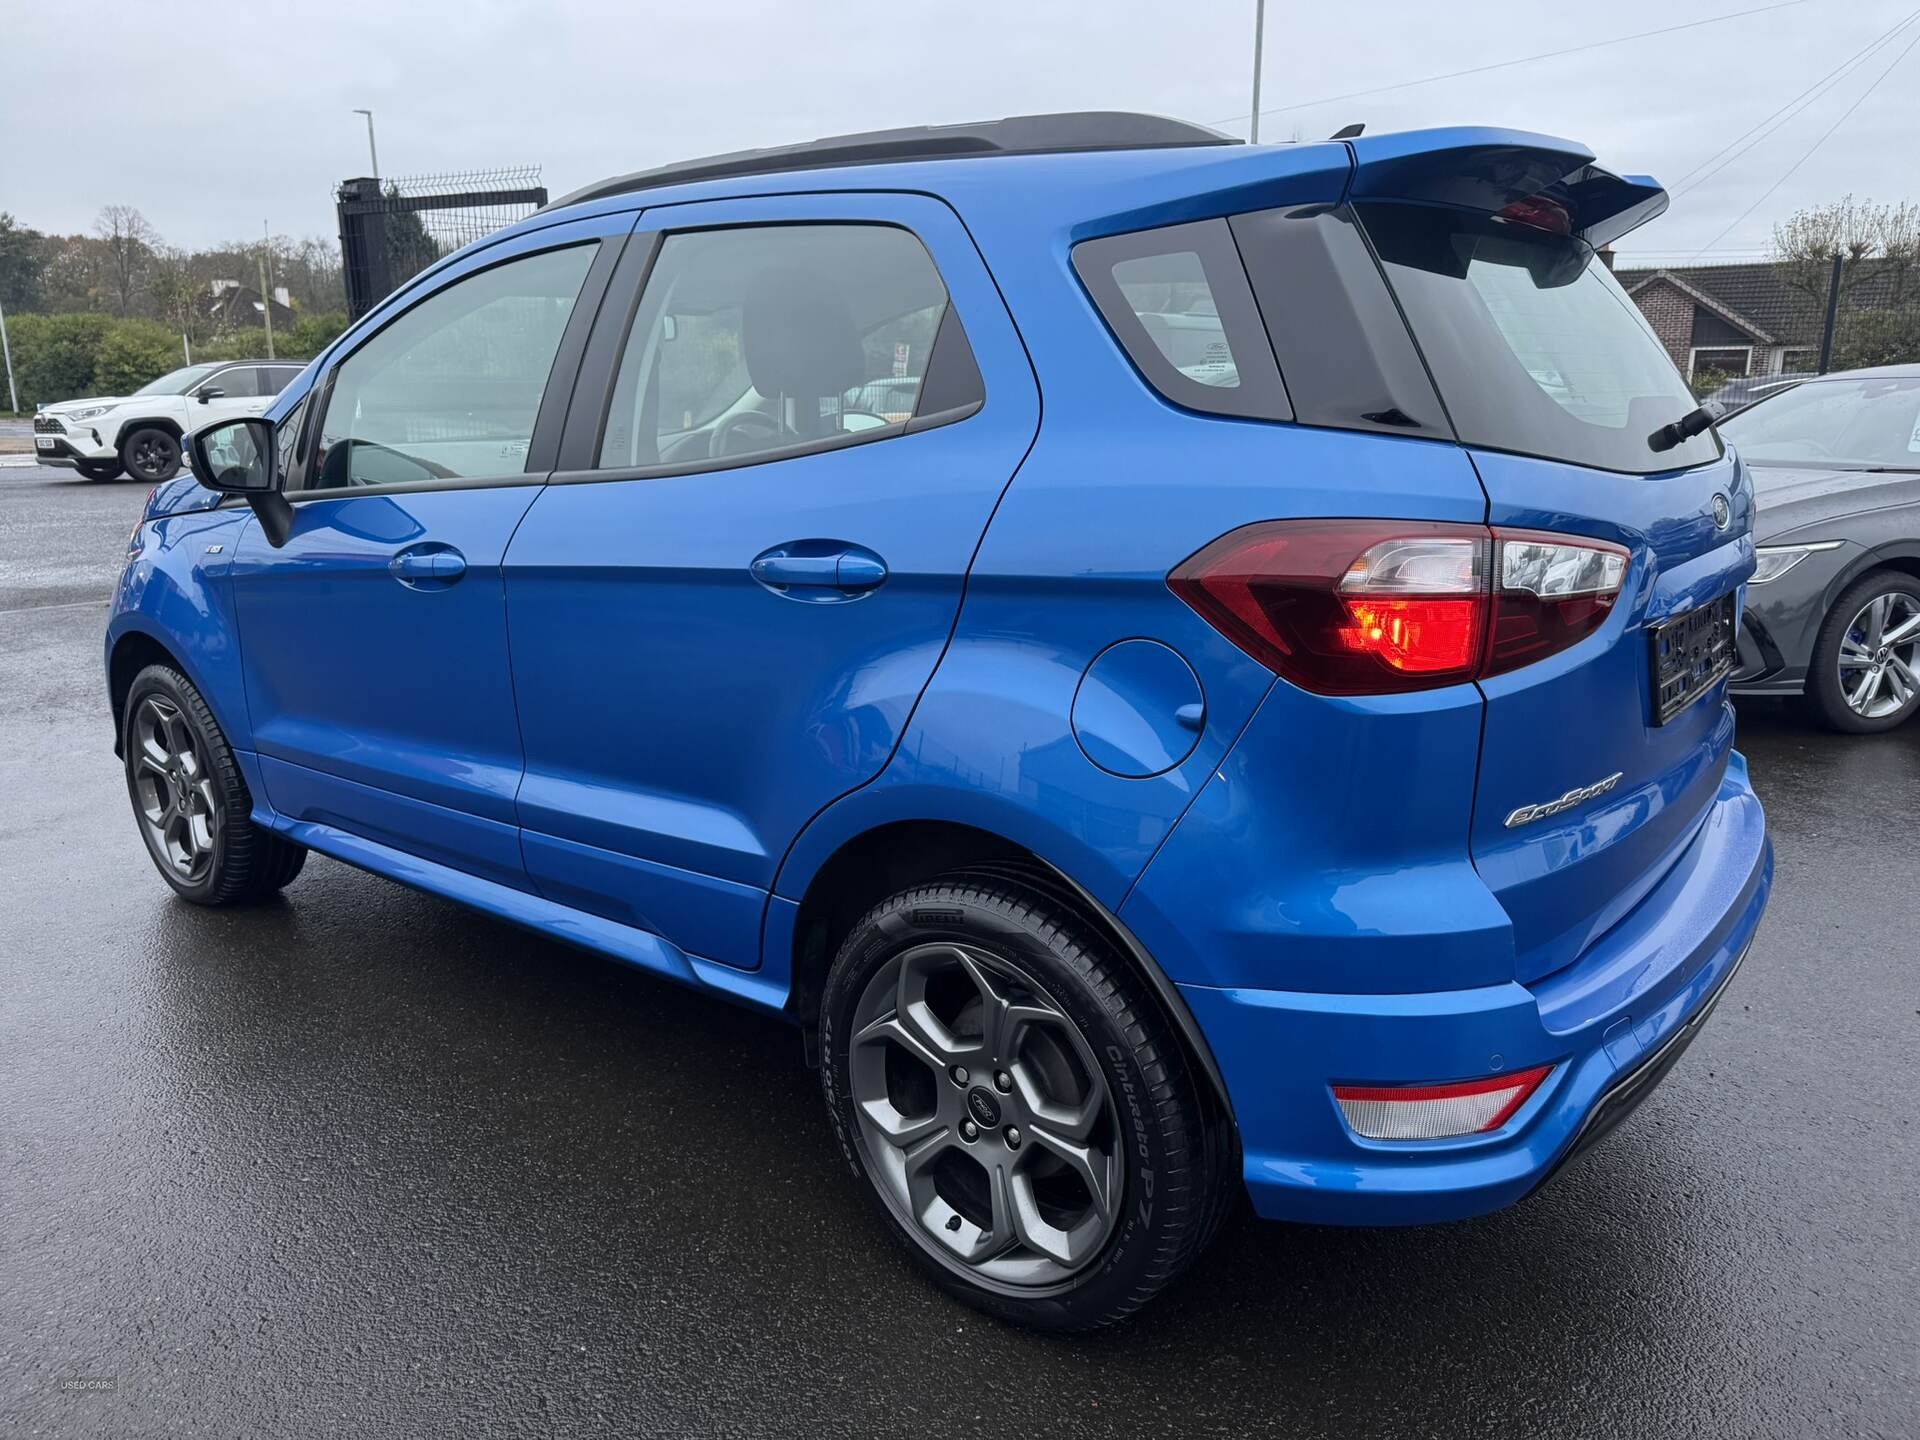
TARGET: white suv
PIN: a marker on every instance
(142, 433)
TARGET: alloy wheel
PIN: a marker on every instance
(986, 1121)
(172, 789)
(1880, 656)
(150, 455)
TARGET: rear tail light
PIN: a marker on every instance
(1549, 592)
(1362, 607)
(1437, 1112)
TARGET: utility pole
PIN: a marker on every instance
(1259, 39)
(13, 395)
(373, 155)
(1833, 313)
(266, 294)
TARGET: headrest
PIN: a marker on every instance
(797, 335)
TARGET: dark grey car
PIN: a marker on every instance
(1833, 613)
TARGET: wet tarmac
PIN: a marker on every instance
(361, 1163)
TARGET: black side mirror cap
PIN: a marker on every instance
(241, 457)
(210, 392)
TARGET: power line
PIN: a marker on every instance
(1508, 64)
(1707, 168)
(1824, 137)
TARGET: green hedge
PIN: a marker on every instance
(66, 357)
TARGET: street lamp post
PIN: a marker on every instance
(1259, 38)
(13, 395)
(373, 155)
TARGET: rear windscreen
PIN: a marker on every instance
(1533, 344)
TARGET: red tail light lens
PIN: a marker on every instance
(1347, 607)
(1364, 607)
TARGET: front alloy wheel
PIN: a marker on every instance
(1863, 675)
(190, 800)
(172, 792)
(151, 454)
(1878, 655)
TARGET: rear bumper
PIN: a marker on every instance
(1612, 1025)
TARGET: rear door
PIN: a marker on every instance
(1555, 383)
(779, 460)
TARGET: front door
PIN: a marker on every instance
(374, 642)
(726, 604)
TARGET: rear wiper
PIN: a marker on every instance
(1687, 426)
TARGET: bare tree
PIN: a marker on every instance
(129, 242)
(175, 291)
(1807, 242)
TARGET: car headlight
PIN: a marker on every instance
(1777, 560)
(88, 413)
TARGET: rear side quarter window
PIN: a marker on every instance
(1178, 302)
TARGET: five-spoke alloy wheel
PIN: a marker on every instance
(191, 801)
(172, 794)
(985, 1113)
(1012, 1093)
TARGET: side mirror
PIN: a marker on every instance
(239, 457)
(209, 392)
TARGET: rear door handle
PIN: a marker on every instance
(427, 567)
(823, 570)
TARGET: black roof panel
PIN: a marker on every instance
(1077, 130)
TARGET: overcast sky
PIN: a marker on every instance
(213, 118)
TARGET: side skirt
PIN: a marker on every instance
(764, 989)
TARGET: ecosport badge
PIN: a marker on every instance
(1579, 795)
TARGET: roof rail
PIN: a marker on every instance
(1065, 133)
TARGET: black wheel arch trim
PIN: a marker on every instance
(1896, 554)
(155, 422)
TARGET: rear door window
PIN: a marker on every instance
(760, 342)
(1532, 342)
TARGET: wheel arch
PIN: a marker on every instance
(892, 856)
(150, 422)
(133, 651)
(1901, 555)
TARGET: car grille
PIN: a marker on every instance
(47, 425)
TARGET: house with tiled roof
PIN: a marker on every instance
(1745, 319)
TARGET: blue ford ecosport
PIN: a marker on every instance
(1179, 666)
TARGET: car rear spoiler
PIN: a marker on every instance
(1478, 168)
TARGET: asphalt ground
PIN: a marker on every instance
(359, 1162)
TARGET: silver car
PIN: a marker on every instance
(1833, 612)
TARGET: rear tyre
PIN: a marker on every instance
(1017, 1105)
(151, 454)
(98, 469)
(190, 801)
(1864, 674)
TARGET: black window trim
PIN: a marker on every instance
(543, 446)
(594, 382)
(1261, 393)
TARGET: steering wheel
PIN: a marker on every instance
(746, 420)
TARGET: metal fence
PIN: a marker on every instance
(391, 230)
(1735, 329)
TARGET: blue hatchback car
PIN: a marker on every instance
(1180, 667)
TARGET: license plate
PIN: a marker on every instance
(1691, 654)
(43, 442)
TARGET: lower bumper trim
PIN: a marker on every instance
(1627, 1092)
